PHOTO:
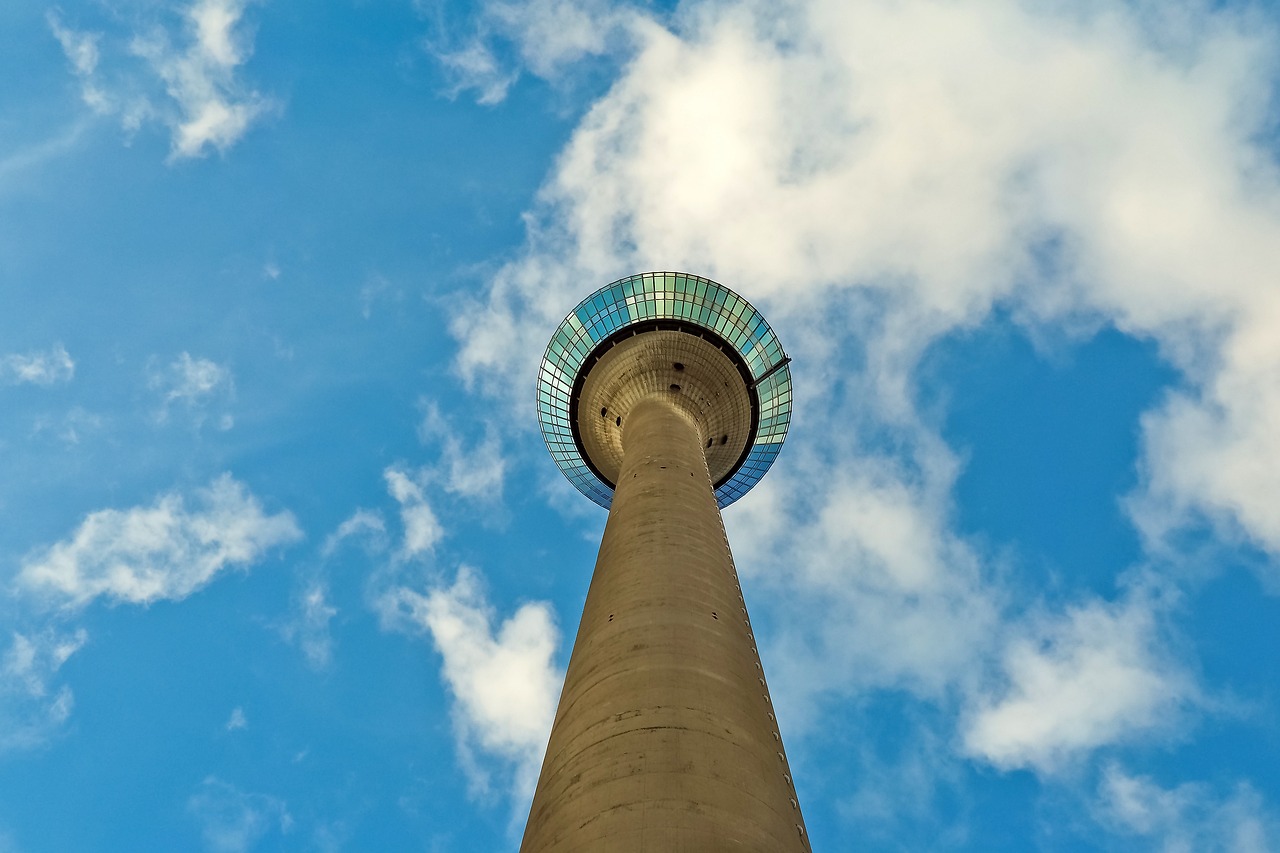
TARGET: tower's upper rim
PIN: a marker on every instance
(691, 302)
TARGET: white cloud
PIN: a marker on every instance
(545, 35)
(71, 427)
(1071, 164)
(213, 108)
(474, 66)
(31, 708)
(194, 384)
(1089, 678)
(477, 472)
(237, 720)
(362, 522)
(421, 528)
(308, 626)
(502, 678)
(233, 821)
(37, 368)
(82, 52)
(876, 176)
(846, 559)
(1189, 818)
(165, 551)
(205, 104)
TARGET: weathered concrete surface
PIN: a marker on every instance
(665, 738)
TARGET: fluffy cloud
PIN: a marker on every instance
(1085, 679)
(205, 103)
(1190, 817)
(31, 708)
(233, 821)
(165, 551)
(501, 676)
(848, 555)
(37, 368)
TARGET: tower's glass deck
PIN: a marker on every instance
(656, 296)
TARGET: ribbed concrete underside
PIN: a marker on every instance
(665, 738)
(692, 373)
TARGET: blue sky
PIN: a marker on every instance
(286, 565)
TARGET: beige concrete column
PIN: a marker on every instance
(665, 738)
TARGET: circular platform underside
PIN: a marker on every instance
(688, 372)
(586, 451)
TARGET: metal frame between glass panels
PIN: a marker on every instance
(664, 296)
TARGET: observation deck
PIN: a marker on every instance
(695, 342)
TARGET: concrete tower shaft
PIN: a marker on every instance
(665, 737)
(664, 397)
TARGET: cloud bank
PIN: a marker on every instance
(877, 177)
(1072, 166)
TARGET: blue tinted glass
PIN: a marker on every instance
(658, 296)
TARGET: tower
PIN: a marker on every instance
(664, 397)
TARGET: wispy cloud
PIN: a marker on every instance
(475, 472)
(194, 87)
(37, 368)
(24, 163)
(165, 551)
(234, 821)
(193, 384)
(32, 708)
(361, 523)
(70, 427)
(1190, 816)
(500, 673)
(82, 52)
(237, 720)
(308, 624)
(422, 530)
(541, 36)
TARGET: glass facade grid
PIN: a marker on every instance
(663, 296)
